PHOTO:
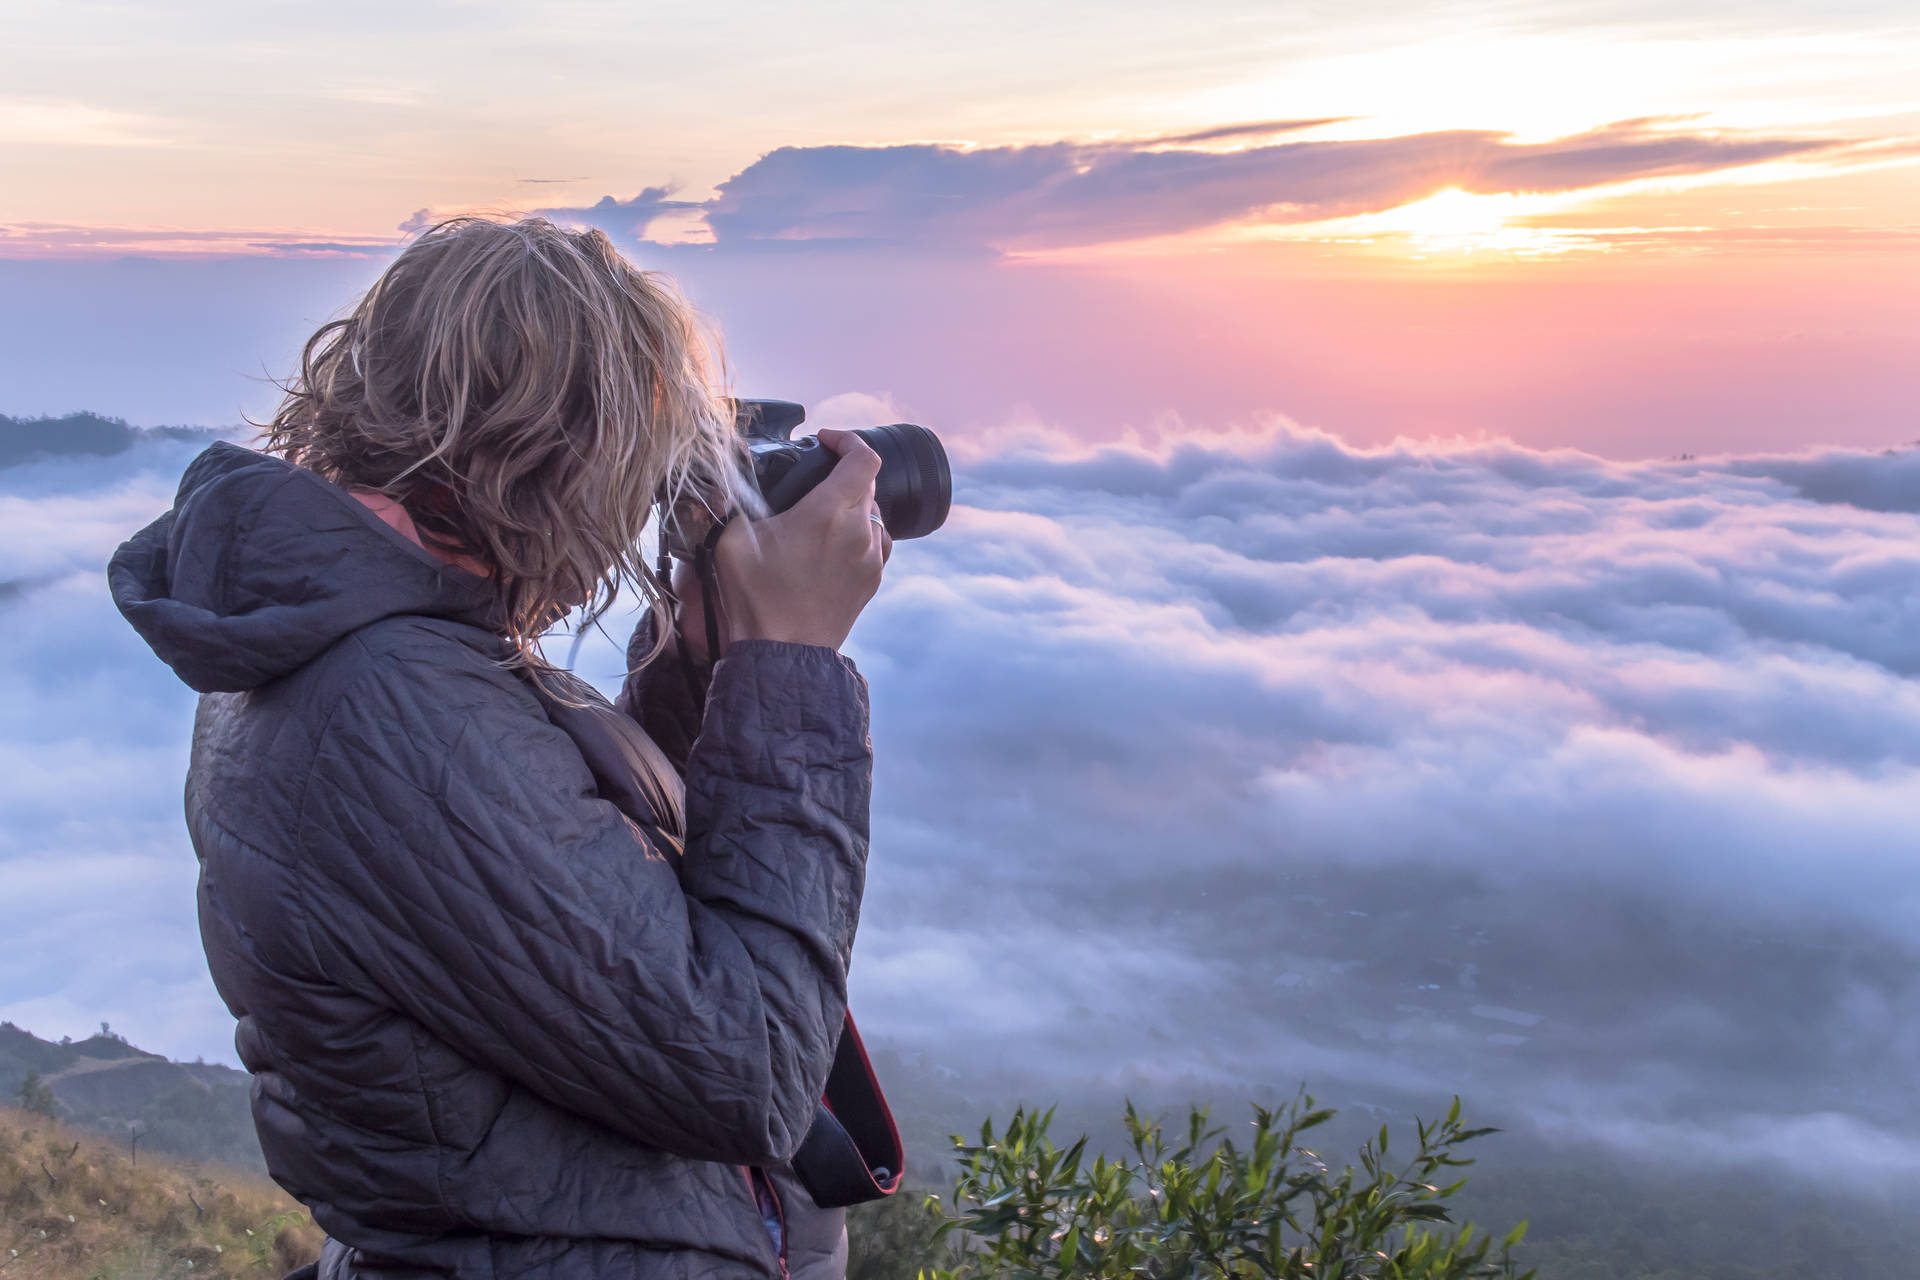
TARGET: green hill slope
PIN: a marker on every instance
(193, 1110)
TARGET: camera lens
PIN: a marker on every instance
(915, 487)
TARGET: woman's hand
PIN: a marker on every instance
(804, 575)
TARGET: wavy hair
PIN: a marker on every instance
(527, 395)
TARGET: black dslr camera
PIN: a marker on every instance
(913, 490)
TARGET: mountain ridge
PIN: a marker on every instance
(193, 1110)
(81, 435)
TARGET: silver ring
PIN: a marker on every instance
(876, 519)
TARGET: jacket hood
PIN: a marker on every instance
(262, 565)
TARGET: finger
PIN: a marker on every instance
(851, 450)
(850, 483)
(837, 438)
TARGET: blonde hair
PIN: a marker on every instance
(526, 394)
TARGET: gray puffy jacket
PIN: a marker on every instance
(498, 1027)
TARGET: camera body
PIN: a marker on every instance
(914, 489)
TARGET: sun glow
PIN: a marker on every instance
(1451, 214)
(1448, 222)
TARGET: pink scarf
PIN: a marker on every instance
(395, 517)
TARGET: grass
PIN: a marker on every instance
(74, 1206)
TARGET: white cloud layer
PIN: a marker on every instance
(1251, 759)
(96, 878)
(1261, 758)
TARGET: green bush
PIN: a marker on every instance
(1262, 1206)
(36, 1097)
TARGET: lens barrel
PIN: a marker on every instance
(914, 489)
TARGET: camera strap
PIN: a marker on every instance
(709, 571)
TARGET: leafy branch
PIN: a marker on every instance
(1198, 1204)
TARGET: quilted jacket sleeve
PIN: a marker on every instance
(463, 868)
(666, 696)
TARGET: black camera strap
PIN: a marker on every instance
(707, 570)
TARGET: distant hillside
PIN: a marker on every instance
(189, 1109)
(82, 435)
(74, 1206)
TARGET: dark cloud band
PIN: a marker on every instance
(1064, 193)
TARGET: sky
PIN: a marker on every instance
(1636, 229)
(1431, 599)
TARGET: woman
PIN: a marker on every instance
(504, 1017)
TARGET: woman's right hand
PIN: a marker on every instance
(803, 576)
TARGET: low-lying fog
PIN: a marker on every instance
(1587, 790)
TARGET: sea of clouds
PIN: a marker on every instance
(1587, 789)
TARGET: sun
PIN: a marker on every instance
(1450, 222)
(1448, 214)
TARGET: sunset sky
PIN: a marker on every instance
(1437, 488)
(1639, 229)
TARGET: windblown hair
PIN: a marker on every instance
(526, 394)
